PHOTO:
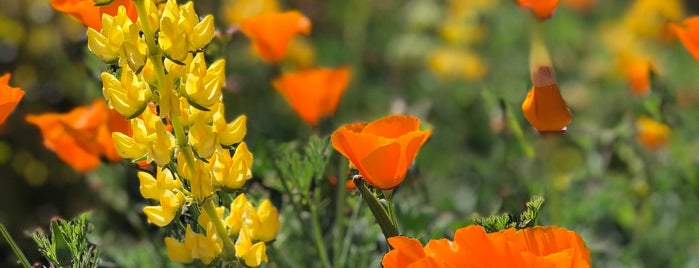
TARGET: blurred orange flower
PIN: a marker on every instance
(272, 32)
(473, 247)
(313, 93)
(637, 71)
(91, 15)
(542, 9)
(652, 134)
(689, 34)
(9, 97)
(381, 150)
(82, 135)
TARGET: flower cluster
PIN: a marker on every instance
(173, 101)
(473, 247)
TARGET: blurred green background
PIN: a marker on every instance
(460, 66)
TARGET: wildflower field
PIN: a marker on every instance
(330, 133)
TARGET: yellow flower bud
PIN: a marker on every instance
(203, 86)
(148, 185)
(159, 215)
(201, 247)
(240, 208)
(269, 222)
(160, 150)
(200, 182)
(202, 33)
(231, 133)
(171, 40)
(128, 96)
(203, 139)
(232, 172)
(134, 50)
(127, 147)
(177, 252)
(253, 255)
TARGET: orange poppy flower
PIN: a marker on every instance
(542, 9)
(9, 97)
(272, 32)
(652, 134)
(473, 247)
(313, 93)
(381, 150)
(688, 34)
(91, 15)
(82, 135)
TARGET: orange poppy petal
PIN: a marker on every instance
(411, 143)
(545, 109)
(542, 9)
(271, 32)
(476, 249)
(380, 167)
(408, 250)
(442, 249)
(9, 97)
(392, 126)
(354, 145)
(689, 36)
(89, 14)
(74, 154)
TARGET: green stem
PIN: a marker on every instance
(339, 223)
(382, 218)
(228, 246)
(388, 195)
(317, 234)
(15, 248)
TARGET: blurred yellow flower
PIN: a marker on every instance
(454, 63)
(652, 134)
(235, 11)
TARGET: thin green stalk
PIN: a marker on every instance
(390, 208)
(348, 238)
(338, 233)
(317, 234)
(15, 248)
(228, 246)
(382, 218)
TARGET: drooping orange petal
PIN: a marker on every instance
(313, 93)
(545, 109)
(272, 32)
(89, 14)
(9, 97)
(405, 251)
(689, 36)
(542, 9)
